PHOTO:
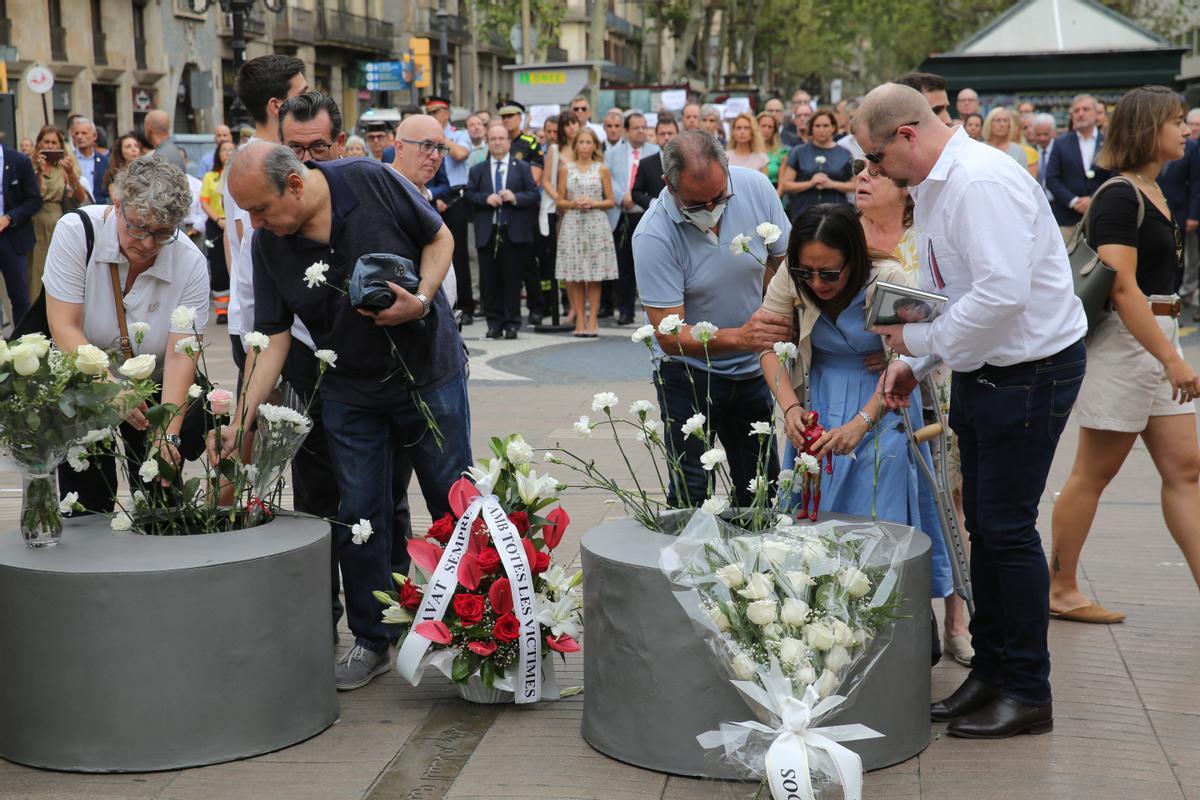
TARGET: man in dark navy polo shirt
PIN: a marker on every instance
(327, 215)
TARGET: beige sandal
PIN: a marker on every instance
(959, 648)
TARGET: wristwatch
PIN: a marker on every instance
(169, 438)
(424, 302)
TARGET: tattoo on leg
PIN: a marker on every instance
(1054, 564)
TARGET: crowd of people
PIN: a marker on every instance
(887, 187)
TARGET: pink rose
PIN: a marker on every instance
(220, 401)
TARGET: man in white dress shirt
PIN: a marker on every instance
(622, 160)
(1012, 331)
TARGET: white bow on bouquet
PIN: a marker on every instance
(798, 749)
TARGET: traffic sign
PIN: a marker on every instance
(39, 79)
(382, 70)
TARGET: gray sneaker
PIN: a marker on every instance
(359, 667)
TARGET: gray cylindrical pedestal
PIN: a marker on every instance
(652, 684)
(129, 653)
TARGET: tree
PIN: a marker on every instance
(499, 16)
(682, 21)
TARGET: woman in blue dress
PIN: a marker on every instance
(827, 285)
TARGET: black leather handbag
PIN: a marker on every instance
(1093, 278)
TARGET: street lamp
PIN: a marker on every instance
(442, 17)
(238, 9)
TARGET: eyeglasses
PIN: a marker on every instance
(806, 275)
(374, 137)
(580, 109)
(725, 197)
(427, 147)
(876, 157)
(141, 232)
(318, 150)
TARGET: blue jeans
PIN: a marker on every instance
(736, 403)
(1008, 421)
(361, 444)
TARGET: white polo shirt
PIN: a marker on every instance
(988, 240)
(179, 277)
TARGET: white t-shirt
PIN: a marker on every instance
(179, 277)
(196, 217)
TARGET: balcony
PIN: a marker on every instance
(255, 26)
(99, 48)
(458, 29)
(139, 52)
(58, 43)
(295, 26)
(340, 29)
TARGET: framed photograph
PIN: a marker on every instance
(893, 304)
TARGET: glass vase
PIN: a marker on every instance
(41, 520)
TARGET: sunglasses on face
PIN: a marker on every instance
(877, 156)
(807, 275)
(580, 109)
(427, 147)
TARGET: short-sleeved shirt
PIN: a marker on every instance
(678, 265)
(179, 277)
(456, 171)
(803, 160)
(526, 148)
(210, 192)
(374, 211)
(1114, 221)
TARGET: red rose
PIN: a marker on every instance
(541, 563)
(521, 520)
(489, 561)
(469, 608)
(500, 595)
(410, 596)
(442, 530)
(506, 629)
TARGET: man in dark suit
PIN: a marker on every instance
(1071, 174)
(92, 163)
(505, 197)
(20, 199)
(1180, 184)
(648, 183)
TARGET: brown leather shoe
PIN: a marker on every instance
(973, 695)
(1002, 718)
(1092, 612)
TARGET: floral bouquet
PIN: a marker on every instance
(488, 595)
(797, 616)
(48, 401)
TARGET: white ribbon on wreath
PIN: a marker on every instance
(438, 592)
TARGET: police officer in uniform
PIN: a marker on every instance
(525, 147)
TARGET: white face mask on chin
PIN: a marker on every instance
(705, 220)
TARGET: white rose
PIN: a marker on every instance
(819, 636)
(671, 325)
(860, 637)
(791, 650)
(762, 612)
(640, 408)
(740, 244)
(827, 684)
(121, 522)
(194, 391)
(694, 424)
(67, 504)
(37, 341)
(759, 587)
(361, 531)
(854, 581)
(799, 580)
(91, 360)
(24, 359)
(795, 612)
(806, 675)
(711, 458)
(704, 332)
(785, 350)
(813, 549)
(519, 452)
(775, 552)
(603, 401)
(838, 658)
(773, 631)
(584, 427)
(719, 619)
(326, 357)
(731, 575)
(4, 354)
(183, 318)
(715, 506)
(842, 633)
(139, 367)
(149, 470)
(258, 341)
(769, 232)
(643, 335)
(744, 667)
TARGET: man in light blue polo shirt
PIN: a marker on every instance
(454, 208)
(681, 253)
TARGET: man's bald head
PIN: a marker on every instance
(412, 161)
(157, 126)
(900, 134)
(886, 108)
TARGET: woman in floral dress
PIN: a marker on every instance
(586, 253)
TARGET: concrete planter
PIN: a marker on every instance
(652, 684)
(130, 653)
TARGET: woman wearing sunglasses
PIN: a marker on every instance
(827, 285)
(157, 270)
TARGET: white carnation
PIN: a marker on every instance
(603, 401)
(643, 335)
(519, 452)
(96, 435)
(785, 350)
(360, 531)
(671, 325)
(757, 483)
(326, 357)
(76, 458)
(806, 462)
(138, 330)
(121, 522)
(740, 244)
(650, 429)
(704, 332)
(715, 505)
(786, 477)
(710, 459)
(67, 504)
(760, 429)
(314, 276)
(641, 408)
(584, 427)
(183, 318)
(148, 471)
(188, 345)
(258, 341)
(769, 232)
(694, 424)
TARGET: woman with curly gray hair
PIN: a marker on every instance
(114, 276)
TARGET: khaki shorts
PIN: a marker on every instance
(1124, 385)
